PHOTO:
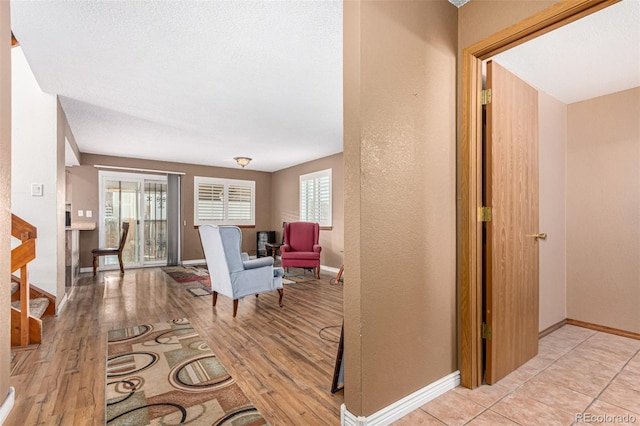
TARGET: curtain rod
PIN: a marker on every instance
(133, 169)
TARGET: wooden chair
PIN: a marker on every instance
(112, 251)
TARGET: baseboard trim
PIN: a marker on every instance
(329, 269)
(604, 329)
(402, 407)
(194, 262)
(7, 405)
(202, 261)
(62, 304)
(552, 328)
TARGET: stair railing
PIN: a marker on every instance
(20, 257)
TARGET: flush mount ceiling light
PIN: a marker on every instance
(242, 161)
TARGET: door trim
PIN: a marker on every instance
(470, 301)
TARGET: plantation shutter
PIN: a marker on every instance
(210, 202)
(315, 197)
(240, 204)
(224, 201)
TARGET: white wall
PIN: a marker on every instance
(553, 193)
(34, 159)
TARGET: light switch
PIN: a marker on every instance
(37, 189)
(80, 213)
(89, 213)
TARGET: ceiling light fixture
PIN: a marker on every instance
(458, 3)
(242, 161)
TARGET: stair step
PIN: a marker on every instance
(14, 287)
(36, 306)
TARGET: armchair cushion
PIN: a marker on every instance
(258, 263)
(313, 255)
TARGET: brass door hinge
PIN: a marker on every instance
(486, 331)
(485, 214)
(485, 97)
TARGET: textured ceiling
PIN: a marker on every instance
(205, 81)
(594, 56)
(192, 81)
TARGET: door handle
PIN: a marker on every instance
(540, 236)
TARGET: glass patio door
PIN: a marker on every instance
(155, 222)
(141, 201)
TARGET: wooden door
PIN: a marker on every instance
(511, 249)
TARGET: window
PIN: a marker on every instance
(224, 201)
(315, 197)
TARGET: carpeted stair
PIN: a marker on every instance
(37, 306)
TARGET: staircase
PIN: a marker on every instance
(28, 303)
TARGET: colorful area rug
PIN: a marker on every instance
(165, 374)
(298, 275)
(195, 279)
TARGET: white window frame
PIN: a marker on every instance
(317, 177)
(226, 183)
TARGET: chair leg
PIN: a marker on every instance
(235, 307)
(120, 260)
(95, 265)
(281, 292)
(318, 272)
(215, 298)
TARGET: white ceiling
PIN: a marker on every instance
(192, 81)
(205, 81)
(594, 56)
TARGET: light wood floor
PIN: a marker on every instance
(275, 354)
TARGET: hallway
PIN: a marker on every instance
(578, 376)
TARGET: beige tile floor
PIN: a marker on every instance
(577, 372)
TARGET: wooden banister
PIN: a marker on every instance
(20, 257)
(23, 254)
(21, 229)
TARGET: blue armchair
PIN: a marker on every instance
(232, 273)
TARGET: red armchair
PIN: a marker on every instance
(300, 248)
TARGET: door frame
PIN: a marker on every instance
(470, 300)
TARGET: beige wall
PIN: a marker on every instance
(479, 19)
(84, 180)
(286, 205)
(5, 194)
(553, 193)
(399, 150)
(603, 210)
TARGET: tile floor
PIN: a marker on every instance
(580, 376)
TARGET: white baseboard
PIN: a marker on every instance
(62, 304)
(194, 262)
(7, 405)
(202, 262)
(329, 269)
(404, 406)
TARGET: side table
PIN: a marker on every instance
(273, 247)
